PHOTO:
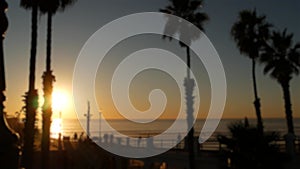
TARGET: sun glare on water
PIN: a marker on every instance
(60, 104)
(56, 128)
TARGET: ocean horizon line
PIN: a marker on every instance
(168, 119)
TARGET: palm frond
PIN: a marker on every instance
(66, 3)
(52, 6)
(194, 5)
(250, 32)
(281, 58)
(188, 10)
(47, 6)
(27, 4)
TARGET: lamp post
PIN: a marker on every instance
(100, 118)
(9, 149)
(88, 119)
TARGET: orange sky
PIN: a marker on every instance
(75, 29)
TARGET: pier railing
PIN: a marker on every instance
(212, 144)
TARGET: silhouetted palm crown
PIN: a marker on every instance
(27, 4)
(188, 10)
(250, 32)
(281, 58)
(53, 6)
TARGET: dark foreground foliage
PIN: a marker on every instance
(247, 148)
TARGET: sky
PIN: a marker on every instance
(73, 27)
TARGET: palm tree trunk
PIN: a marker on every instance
(188, 61)
(189, 86)
(288, 106)
(33, 48)
(260, 126)
(9, 151)
(49, 40)
(2, 71)
(31, 97)
(48, 79)
(3, 28)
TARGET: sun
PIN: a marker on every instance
(60, 101)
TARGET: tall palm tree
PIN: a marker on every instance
(282, 62)
(31, 97)
(50, 8)
(190, 11)
(250, 33)
(8, 138)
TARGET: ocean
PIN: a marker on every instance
(70, 126)
(134, 134)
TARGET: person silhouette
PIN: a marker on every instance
(75, 137)
(139, 141)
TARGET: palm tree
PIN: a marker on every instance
(250, 33)
(49, 8)
(282, 62)
(31, 97)
(190, 11)
(9, 139)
